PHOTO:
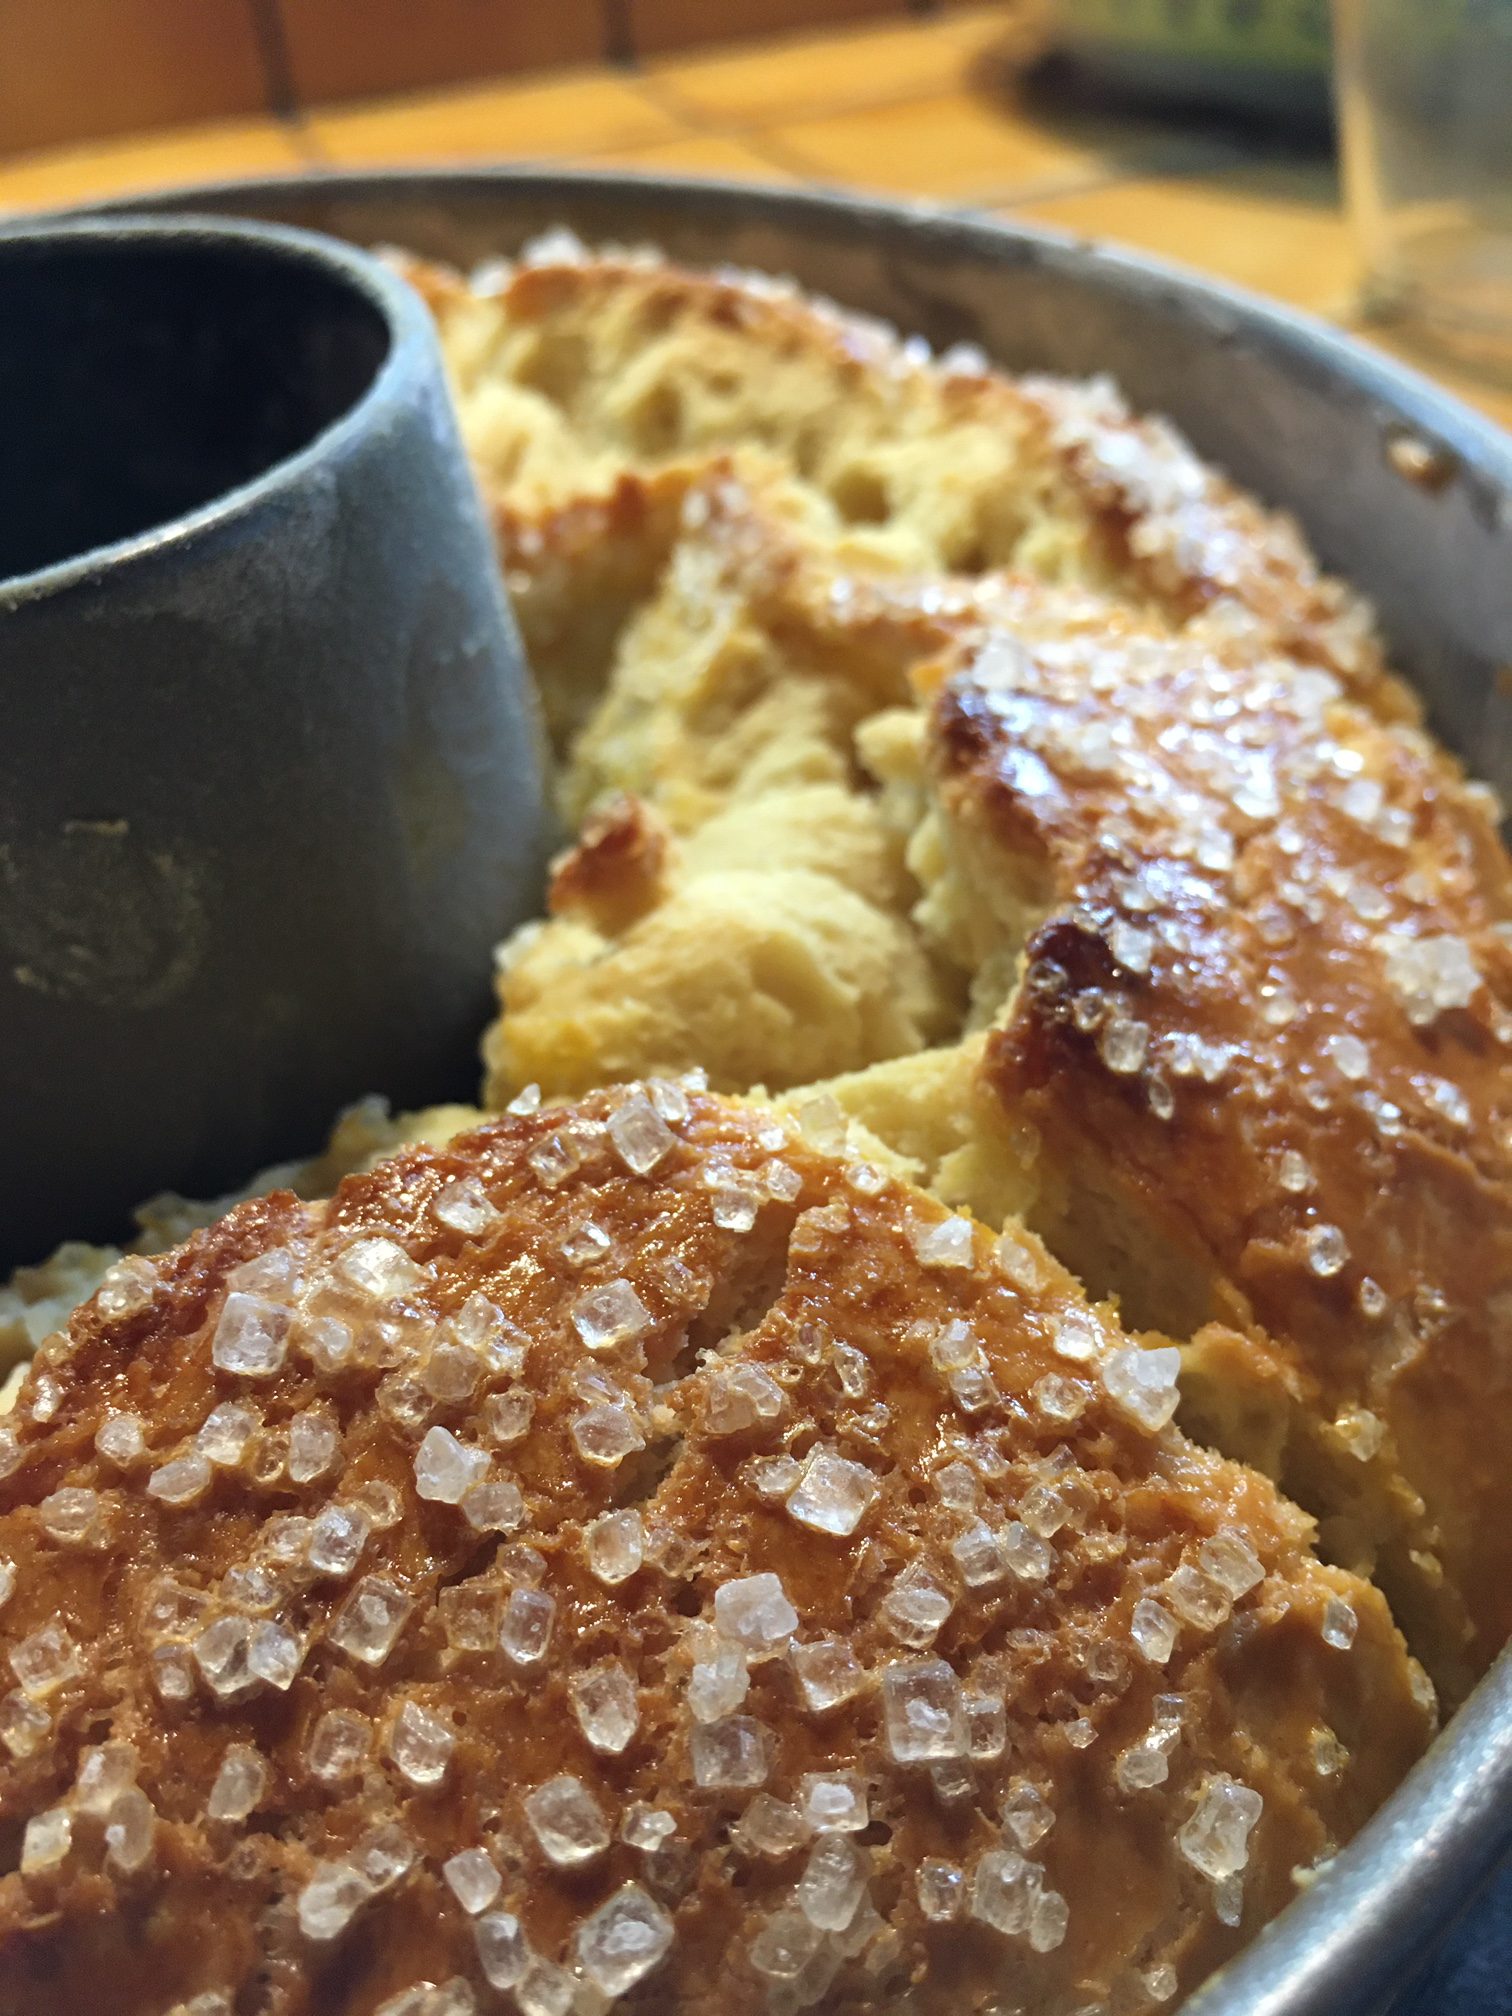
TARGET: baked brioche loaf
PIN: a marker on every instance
(1260, 1037)
(1221, 935)
(636, 1555)
(573, 372)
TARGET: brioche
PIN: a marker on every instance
(572, 370)
(1303, 1175)
(633, 1554)
(1260, 1035)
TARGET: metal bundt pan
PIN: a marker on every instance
(1306, 419)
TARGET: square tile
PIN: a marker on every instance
(950, 146)
(659, 25)
(1274, 226)
(563, 116)
(795, 77)
(694, 154)
(158, 161)
(338, 49)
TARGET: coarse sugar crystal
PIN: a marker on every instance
(754, 1612)
(785, 1945)
(338, 1535)
(496, 1505)
(987, 1721)
(924, 1715)
(946, 1244)
(567, 1821)
(507, 1417)
(640, 1136)
(547, 1990)
(1340, 1623)
(71, 1515)
(1153, 1630)
(181, 1480)
(718, 1681)
(605, 1435)
(828, 1672)
(338, 1745)
(313, 1443)
(46, 1841)
(834, 1494)
(614, 1546)
(733, 1754)
(447, 1469)
(647, 1827)
(130, 1829)
(368, 1624)
(1003, 1887)
(621, 1942)
(1231, 1561)
(525, 1629)
(274, 1654)
(1143, 1384)
(221, 1653)
(502, 1950)
(978, 1553)
(832, 1884)
(1026, 1813)
(610, 1315)
(740, 1397)
(604, 1701)
(1215, 1838)
(1197, 1598)
(771, 1826)
(239, 1784)
(834, 1802)
(941, 1889)
(380, 1268)
(120, 1439)
(464, 1206)
(251, 1337)
(420, 1745)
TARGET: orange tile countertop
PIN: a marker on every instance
(935, 107)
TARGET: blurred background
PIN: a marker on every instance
(1199, 130)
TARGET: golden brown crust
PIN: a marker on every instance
(780, 1301)
(616, 869)
(1263, 1032)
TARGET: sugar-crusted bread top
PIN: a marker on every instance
(633, 1544)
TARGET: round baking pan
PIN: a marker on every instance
(1399, 488)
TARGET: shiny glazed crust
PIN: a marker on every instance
(272, 1677)
(1261, 1035)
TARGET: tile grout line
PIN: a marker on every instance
(743, 127)
(699, 126)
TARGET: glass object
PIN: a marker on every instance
(1257, 56)
(1425, 112)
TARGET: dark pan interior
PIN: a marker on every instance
(142, 381)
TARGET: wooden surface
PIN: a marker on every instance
(935, 107)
